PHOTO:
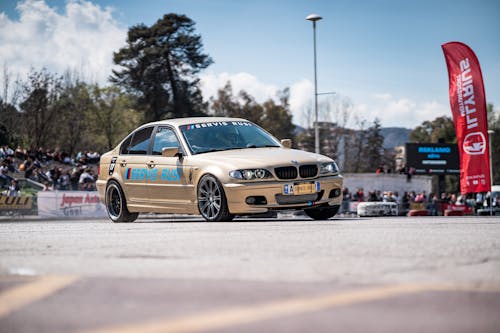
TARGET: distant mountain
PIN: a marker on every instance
(298, 130)
(395, 136)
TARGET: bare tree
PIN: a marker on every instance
(9, 115)
(38, 107)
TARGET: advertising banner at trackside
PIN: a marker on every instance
(468, 106)
(23, 202)
(70, 204)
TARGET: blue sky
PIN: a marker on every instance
(383, 57)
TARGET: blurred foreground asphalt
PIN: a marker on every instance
(251, 275)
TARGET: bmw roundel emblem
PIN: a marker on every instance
(294, 162)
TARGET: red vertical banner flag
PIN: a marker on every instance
(468, 105)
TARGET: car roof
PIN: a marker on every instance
(192, 120)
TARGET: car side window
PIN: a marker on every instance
(164, 138)
(125, 145)
(140, 142)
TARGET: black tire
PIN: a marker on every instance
(322, 213)
(116, 205)
(212, 202)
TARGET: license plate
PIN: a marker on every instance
(301, 188)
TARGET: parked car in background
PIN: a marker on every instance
(377, 209)
(495, 199)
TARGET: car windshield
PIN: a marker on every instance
(226, 135)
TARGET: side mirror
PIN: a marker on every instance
(171, 152)
(286, 143)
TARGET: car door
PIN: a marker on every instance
(170, 191)
(133, 166)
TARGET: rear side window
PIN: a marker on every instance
(125, 145)
(139, 144)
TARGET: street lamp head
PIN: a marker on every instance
(313, 17)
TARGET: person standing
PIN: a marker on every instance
(346, 201)
(14, 190)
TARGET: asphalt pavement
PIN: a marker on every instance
(395, 274)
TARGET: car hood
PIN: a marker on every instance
(261, 157)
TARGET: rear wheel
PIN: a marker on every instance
(116, 204)
(322, 213)
(212, 202)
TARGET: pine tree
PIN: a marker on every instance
(160, 64)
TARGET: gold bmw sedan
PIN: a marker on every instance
(216, 167)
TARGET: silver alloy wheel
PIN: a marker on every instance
(209, 198)
(114, 201)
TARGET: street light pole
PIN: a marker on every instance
(313, 18)
(490, 134)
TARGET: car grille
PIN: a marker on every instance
(289, 172)
(308, 171)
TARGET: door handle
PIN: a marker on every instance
(151, 164)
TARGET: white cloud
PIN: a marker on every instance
(84, 35)
(301, 92)
(400, 112)
(390, 110)
(212, 82)
(301, 101)
(83, 38)
(382, 97)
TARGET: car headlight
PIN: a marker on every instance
(249, 174)
(327, 168)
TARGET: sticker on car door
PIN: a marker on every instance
(112, 165)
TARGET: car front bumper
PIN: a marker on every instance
(238, 194)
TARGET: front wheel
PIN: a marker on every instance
(212, 202)
(116, 204)
(322, 213)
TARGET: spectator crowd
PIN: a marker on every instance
(432, 202)
(58, 170)
(55, 169)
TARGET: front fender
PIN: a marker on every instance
(221, 174)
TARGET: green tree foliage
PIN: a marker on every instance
(10, 119)
(431, 131)
(39, 108)
(277, 118)
(355, 156)
(225, 104)
(112, 118)
(274, 117)
(9, 115)
(374, 147)
(242, 106)
(74, 105)
(160, 64)
(494, 125)
(67, 113)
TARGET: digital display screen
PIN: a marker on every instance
(433, 158)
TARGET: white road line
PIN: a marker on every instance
(238, 315)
